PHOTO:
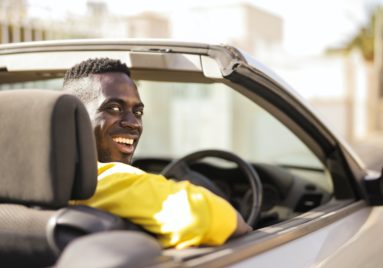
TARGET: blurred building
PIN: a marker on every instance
(254, 30)
(14, 23)
(17, 26)
(98, 22)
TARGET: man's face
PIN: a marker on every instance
(116, 117)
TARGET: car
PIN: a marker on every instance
(211, 110)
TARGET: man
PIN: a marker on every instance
(179, 213)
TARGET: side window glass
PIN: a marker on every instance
(181, 118)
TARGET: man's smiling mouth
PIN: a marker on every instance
(125, 145)
(123, 140)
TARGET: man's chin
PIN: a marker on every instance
(126, 159)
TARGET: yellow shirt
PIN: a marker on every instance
(180, 213)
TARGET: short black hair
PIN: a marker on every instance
(87, 68)
(95, 66)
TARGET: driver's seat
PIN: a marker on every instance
(48, 157)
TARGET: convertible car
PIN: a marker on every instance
(213, 115)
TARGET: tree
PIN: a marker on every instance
(364, 40)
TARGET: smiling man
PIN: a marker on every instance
(114, 106)
(118, 117)
(179, 213)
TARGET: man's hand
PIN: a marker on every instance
(242, 227)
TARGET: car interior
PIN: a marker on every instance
(210, 125)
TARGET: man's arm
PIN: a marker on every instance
(179, 213)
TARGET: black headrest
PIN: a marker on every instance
(47, 148)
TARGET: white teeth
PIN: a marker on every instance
(123, 140)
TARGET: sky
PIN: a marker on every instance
(310, 26)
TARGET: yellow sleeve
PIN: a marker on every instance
(181, 214)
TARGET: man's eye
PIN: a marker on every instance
(139, 113)
(114, 108)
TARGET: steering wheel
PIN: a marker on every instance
(180, 169)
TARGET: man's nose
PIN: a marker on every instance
(129, 120)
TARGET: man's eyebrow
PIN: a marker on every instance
(122, 102)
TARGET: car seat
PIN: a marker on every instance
(48, 157)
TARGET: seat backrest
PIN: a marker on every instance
(48, 152)
(48, 157)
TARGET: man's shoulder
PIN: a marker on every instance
(105, 169)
